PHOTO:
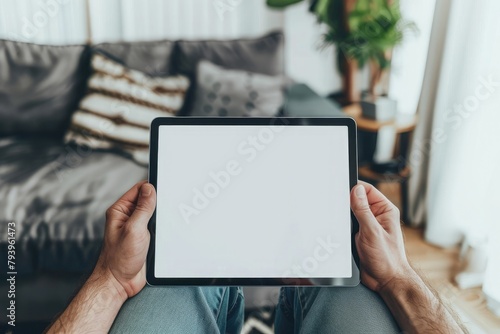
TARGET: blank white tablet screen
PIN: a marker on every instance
(253, 202)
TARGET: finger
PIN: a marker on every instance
(373, 194)
(379, 204)
(145, 207)
(124, 206)
(361, 208)
(131, 195)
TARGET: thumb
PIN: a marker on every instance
(361, 209)
(145, 206)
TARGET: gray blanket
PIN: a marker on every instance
(57, 196)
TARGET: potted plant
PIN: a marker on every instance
(365, 32)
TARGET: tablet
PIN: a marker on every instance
(253, 201)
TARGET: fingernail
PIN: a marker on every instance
(360, 192)
(145, 190)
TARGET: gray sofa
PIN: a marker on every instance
(57, 193)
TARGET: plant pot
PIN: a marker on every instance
(379, 108)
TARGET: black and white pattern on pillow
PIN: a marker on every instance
(120, 105)
(235, 93)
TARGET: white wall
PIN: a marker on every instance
(409, 59)
(307, 60)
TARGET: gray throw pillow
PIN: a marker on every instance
(263, 55)
(40, 87)
(235, 93)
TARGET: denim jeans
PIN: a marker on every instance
(221, 310)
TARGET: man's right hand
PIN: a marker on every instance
(385, 268)
(379, 240)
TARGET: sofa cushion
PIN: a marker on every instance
(40, 87)
(235, 93)
(260, 55)
(153, 58)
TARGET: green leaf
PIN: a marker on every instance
(281, 3)
(373, 27)
(329, 13)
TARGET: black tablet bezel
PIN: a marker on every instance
(278, 121)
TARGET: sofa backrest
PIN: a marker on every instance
(153, 58)
(264, 55)
(41, 86)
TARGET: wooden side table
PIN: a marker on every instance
(405, 125)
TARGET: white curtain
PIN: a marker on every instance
(456, 151)
(409, 58)
(67, 21)
(134, 20)
(44, 21)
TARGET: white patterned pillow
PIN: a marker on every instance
(120, 105)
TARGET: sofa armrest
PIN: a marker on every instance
(302, 101)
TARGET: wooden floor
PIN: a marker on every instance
(438, 267)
